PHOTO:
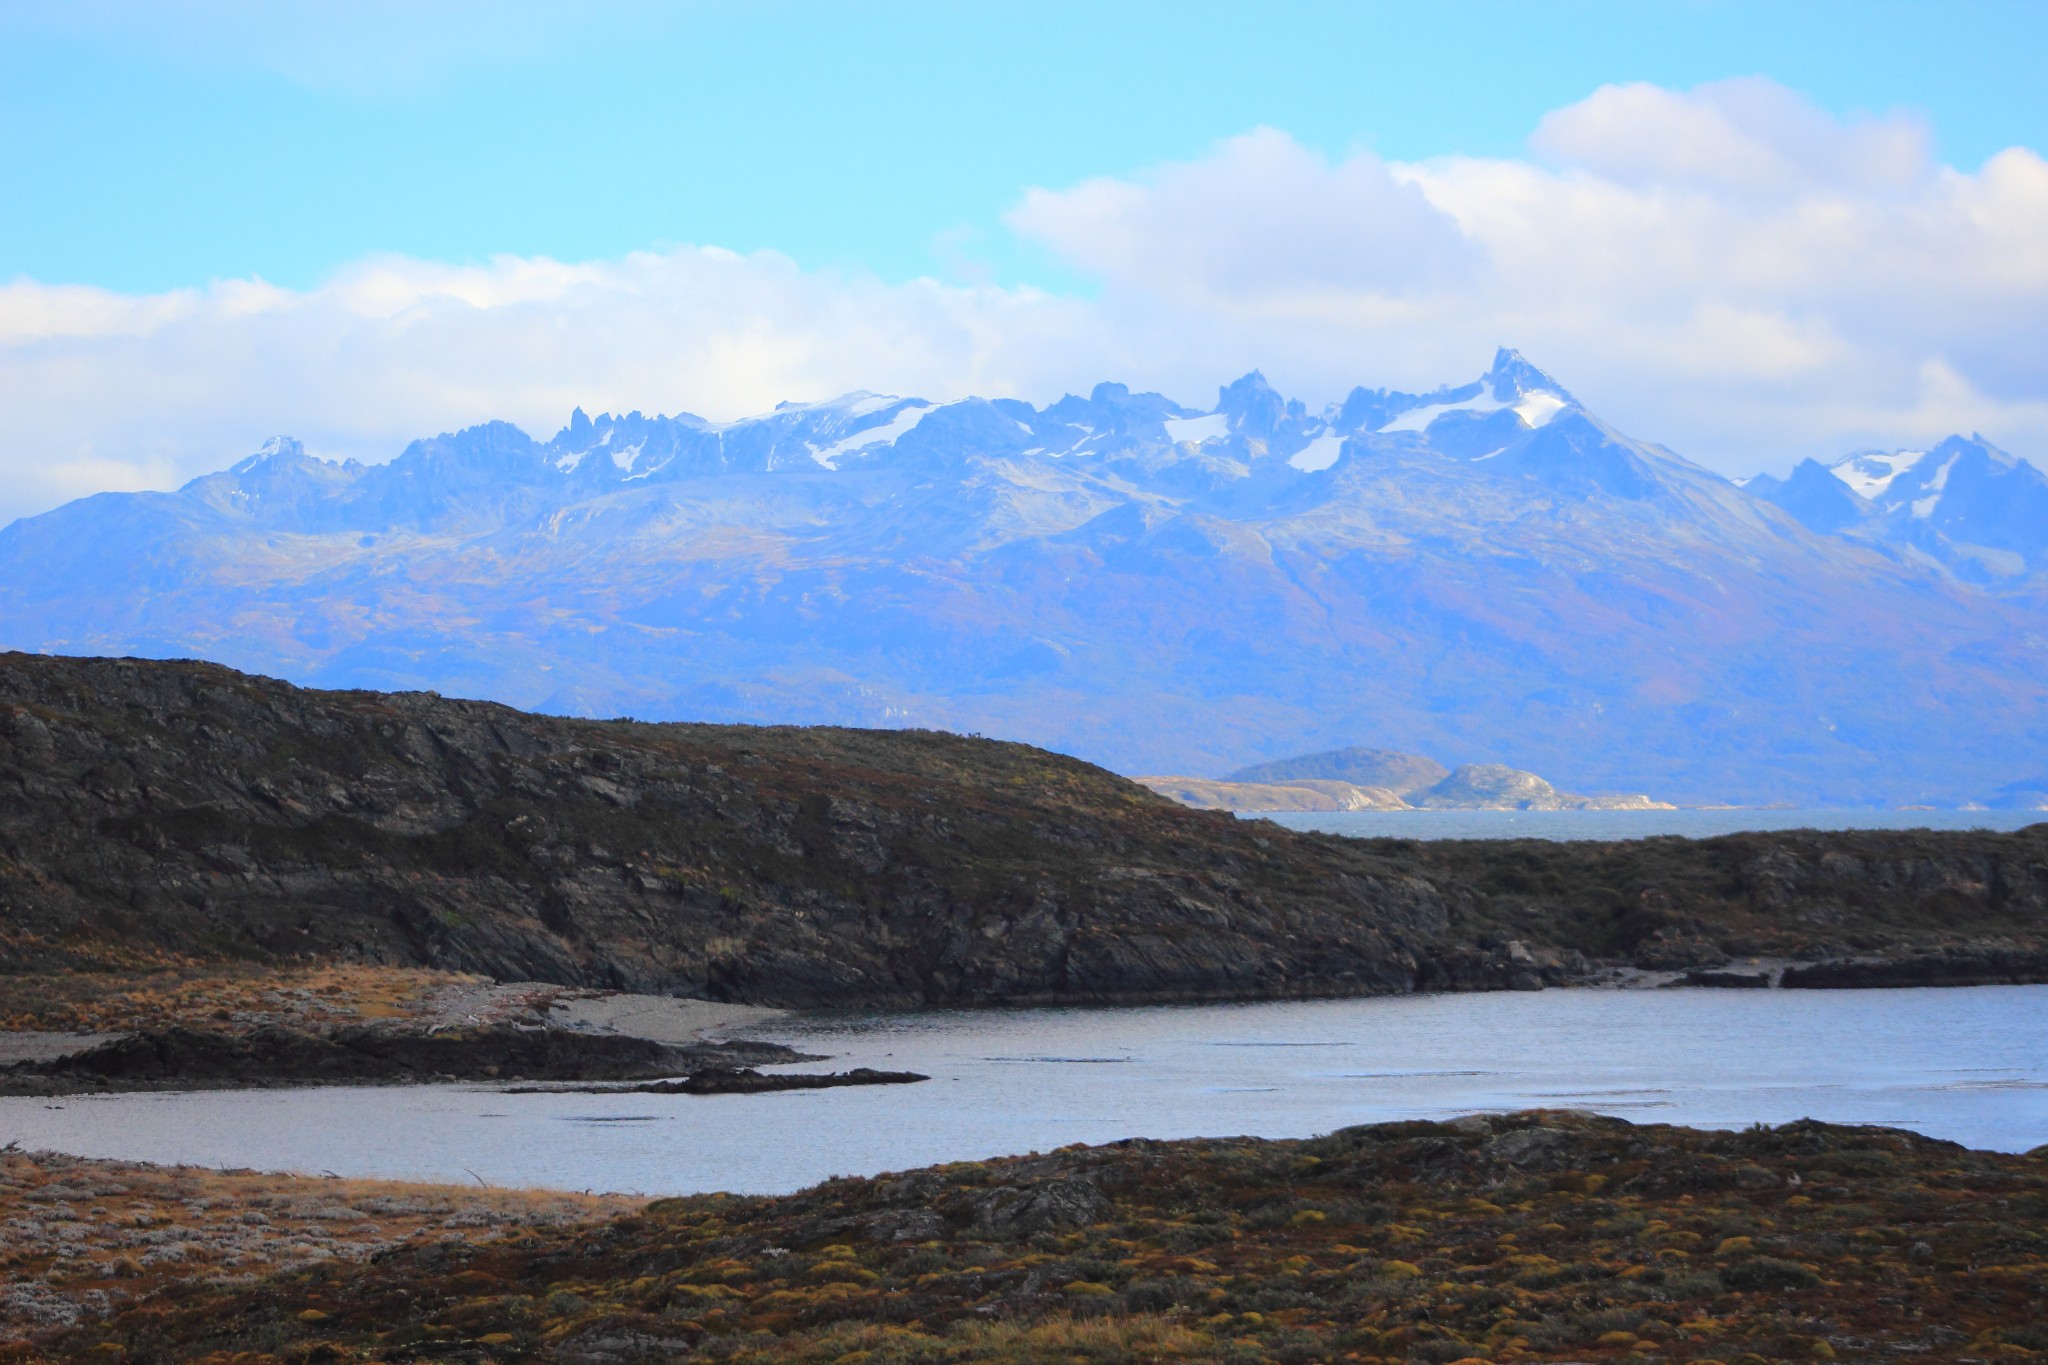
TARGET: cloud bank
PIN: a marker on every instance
(1728, 269)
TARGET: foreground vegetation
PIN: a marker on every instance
(84, 1239)
(1537, 1236)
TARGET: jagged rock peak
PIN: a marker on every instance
(1512, 376)
(277, 447)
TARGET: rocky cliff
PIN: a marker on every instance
(185, 805)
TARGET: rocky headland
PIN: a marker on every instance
(167, 822)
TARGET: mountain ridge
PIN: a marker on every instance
(1485, 568)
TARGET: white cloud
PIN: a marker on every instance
(1728, 270)
(1748, 136)
(1261, 217)
(109, 391)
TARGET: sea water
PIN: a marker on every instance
(1631, 824)
(1968, 1064)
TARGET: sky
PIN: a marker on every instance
(1753, 232)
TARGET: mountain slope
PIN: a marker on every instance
(1487, 571)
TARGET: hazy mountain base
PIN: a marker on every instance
(1520, 1237)
(1111, 576)
(185, 807)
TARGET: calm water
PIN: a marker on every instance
(1970, 1065)
(1632, 824)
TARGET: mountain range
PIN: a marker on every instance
(1486, 572)
(1963, 505)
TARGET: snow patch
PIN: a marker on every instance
(888, 433)
(1535, 407)
(1418, 419)
(1873, 471)
(1538, 407)
(1197, 430)
(1318, 454)
(625, 456)
(1923, 508)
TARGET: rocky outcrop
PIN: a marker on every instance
(1971, 965)
(183, 1058)
(744, 1080)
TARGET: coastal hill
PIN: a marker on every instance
(184, 807)
(1538, 1236)
(1380, 779)
(1486, 568)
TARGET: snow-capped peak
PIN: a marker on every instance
(276, 447)
(1514, 377)
(1513, 384)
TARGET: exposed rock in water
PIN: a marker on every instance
(1962, 967)
(747, 1081)
(180, 1058)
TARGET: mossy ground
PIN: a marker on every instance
(1537, 1237)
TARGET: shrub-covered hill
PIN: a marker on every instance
(184, 806)
(1536, 1236)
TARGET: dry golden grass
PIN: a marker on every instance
(140, 992)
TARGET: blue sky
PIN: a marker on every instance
(1754, 232)
(149, 148)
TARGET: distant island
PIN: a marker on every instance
(1381, 779)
